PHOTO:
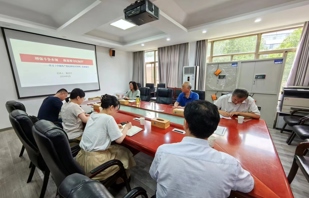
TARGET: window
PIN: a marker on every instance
(151, 67)
(277, 44)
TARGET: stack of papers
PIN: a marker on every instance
(220, 130)
(134, 130)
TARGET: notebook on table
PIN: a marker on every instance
(134, 130)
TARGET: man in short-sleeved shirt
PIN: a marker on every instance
(100, 131)
(186, 96)
(238, 103)
(51, 106)
(71, 123)
(191, 168)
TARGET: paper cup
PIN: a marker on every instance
(142, 121)
(241, 119)
(211, 141)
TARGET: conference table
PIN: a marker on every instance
(249, 142)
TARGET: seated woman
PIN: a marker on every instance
(73, 116)
(100, 131)
(133, 92)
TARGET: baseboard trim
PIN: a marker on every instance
(5, 129)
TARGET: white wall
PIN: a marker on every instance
(114, 75)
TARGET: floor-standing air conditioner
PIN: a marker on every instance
(191, 74)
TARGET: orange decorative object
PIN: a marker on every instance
(214, 97)
(217, 72)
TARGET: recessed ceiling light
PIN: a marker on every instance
(122, 24)
(143, 44)
(258, 20)
(168, 39)
(204, 31)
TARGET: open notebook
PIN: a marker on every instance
(134, 130)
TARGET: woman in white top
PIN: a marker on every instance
(101, 130)
(133, 92)
(73, 116)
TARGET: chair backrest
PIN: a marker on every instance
(151, 86)
(77, 185)
(177, 92)
(164, 96)
(161, 85)
(138, 85)
(145, 93)
(22, 125)
(55, 149)
(200, 93)
(12, 105)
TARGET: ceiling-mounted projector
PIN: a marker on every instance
(141, 12)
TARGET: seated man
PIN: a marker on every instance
(51, 107)
(192, 168)
(238, 103)
(186, 96)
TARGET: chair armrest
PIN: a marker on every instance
(301, 148)
(136, 192)
(295, 110)
(74, 150)
(104, 166)
(304, 119)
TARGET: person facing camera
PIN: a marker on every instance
(133, 92)
(191, 168)
(73, 116)
(96, 148)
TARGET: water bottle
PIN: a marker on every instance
(137, 100)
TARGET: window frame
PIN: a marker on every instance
(155, 62)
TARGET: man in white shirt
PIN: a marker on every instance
(238, 103)
(191, 168)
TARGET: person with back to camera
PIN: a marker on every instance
(133, 92)
(51, 107)
(73, 116)
(191, 168)
(239, 103)
(101, 130)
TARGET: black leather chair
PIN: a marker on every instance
(22, 125)
(80, 186)
(302, 131)
(152, 89)
(145, 93)
(138, 85)
(12, 105)
(54, 146)
(200, 93)
(161, 85)
(300, 161)
(164, 96)
(293, 119)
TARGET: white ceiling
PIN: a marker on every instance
(180, 20)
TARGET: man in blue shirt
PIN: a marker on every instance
(51, 107)
(186, 96)
(191, 168)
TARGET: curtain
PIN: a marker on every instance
(138, 67)
(299, 75)
(171, 62)
(200, 60)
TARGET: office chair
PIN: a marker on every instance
(300, 161)
(145, 93)
(54, 146)
(164, 96)
(22, 125)
(138, 85)
(161, 85)
(152, 89)
(12, 105)
(80, 186)
(200, 93)
(294, 118)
